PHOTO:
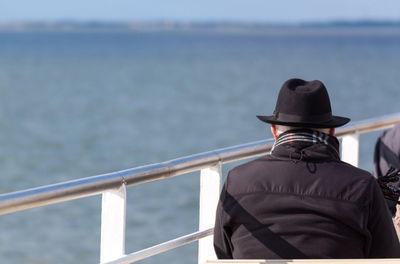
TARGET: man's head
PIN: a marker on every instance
(303, 104)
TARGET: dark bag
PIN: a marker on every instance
(390, 184)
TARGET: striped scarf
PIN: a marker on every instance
(309, 137)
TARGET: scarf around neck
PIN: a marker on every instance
(302, 138)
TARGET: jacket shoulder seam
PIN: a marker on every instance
(301, 195)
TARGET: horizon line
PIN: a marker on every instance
(209, 21)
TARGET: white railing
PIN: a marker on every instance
(112, 187)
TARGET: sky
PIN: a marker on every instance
(278, 11)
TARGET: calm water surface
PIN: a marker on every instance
(79, 104)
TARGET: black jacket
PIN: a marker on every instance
(301, 201)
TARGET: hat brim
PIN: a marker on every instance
(336, 121)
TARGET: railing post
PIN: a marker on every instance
(210, 186)
(113, 219)
(350, 149)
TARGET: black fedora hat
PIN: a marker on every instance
(304, 104)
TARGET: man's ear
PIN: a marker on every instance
(273, 131)
(332, 131)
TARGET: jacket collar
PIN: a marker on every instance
(305, 144)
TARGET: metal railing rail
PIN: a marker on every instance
(113, 188)
(163, 247)
(90, 186)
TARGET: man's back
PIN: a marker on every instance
(303, 202)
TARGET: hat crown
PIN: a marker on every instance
(304, 104)
(302, 98)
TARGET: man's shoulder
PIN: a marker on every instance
(353, 171)
(267, 168)
(260, 169)
(269, 161)
(251, 166)
(353, 183)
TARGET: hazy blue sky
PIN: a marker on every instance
(200, 10)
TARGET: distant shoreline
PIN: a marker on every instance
(66, 26)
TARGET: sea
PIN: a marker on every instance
(75, 104)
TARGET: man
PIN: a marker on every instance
(301, 201)
(386, 156)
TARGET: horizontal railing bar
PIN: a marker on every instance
(157, 249)
(66, 191)
(369, 125)
(90, 186)
(55, 193)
